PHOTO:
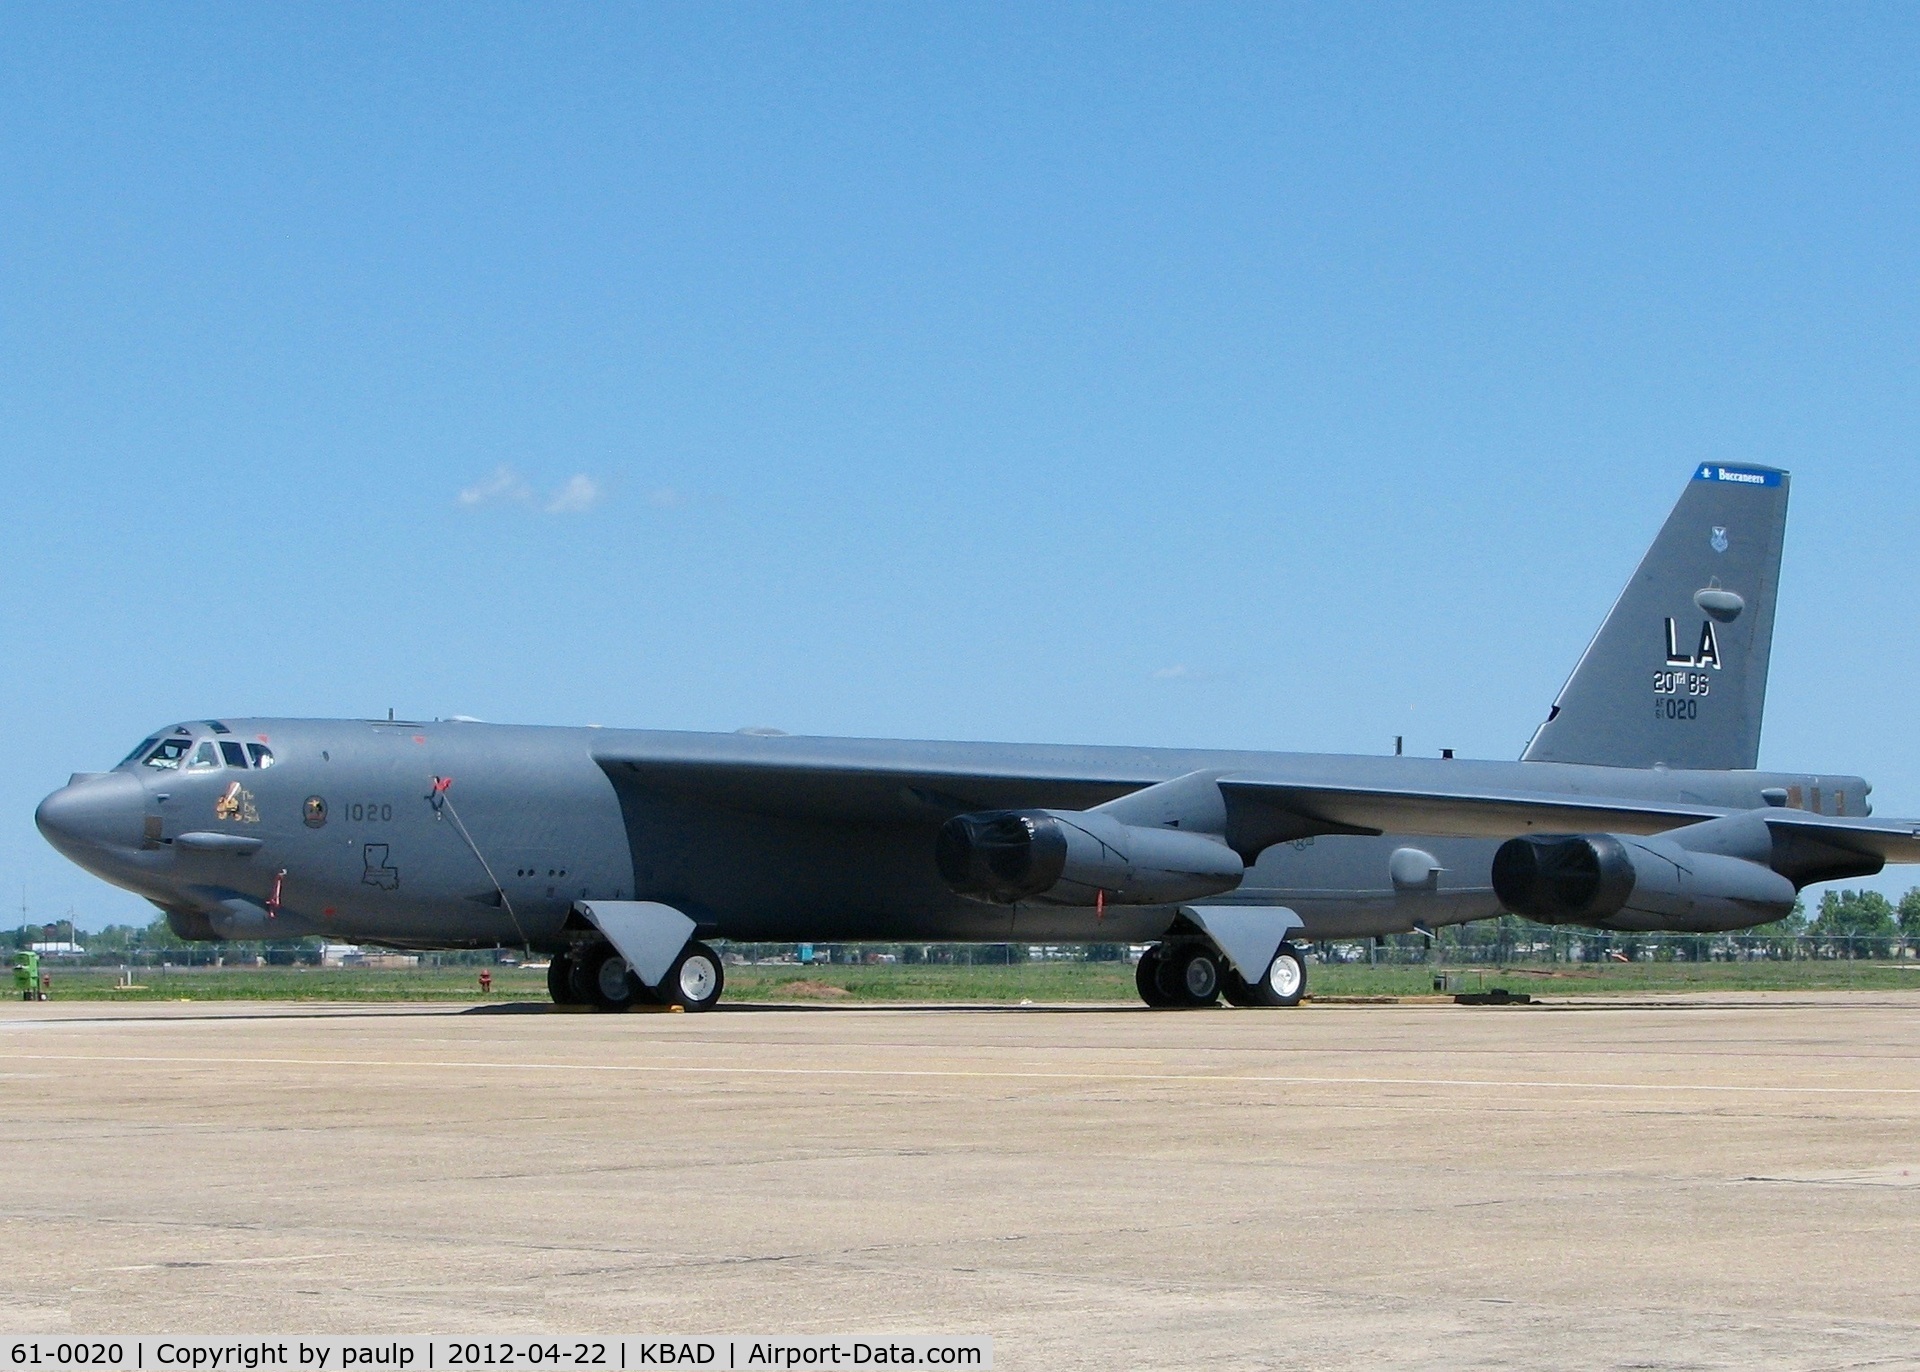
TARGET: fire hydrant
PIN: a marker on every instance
(486, 983)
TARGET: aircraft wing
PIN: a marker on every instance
(1260, 811)
(865, 791)
(1893, 840)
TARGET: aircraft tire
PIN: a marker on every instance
(1234, 989)
(609, 984)
(1146, 979)
(1189, 976)
(560, 980)
(1284, 984)
(1286, 979)
(695, 980)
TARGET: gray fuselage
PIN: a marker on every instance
(463, 834)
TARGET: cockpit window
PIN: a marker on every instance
(167, 757)
(205, 756)
(235, 755)
(135, 754)
(262, 755)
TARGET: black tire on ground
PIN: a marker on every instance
(1189, 975)
(1234, 989)
(695, 980)
(609, 985)
(1285, 982)
(560, 980)
(1146, 979)
(578, 988)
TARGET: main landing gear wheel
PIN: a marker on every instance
(695, 980)
(1284, 984)
(1146, 979)
(1183, 976)
(560, 981)
(606, 981)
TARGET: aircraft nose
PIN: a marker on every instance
(93, 812)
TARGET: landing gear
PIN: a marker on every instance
(597, 975)
(695, 980)
(602, 979)
(1146, 979)
(1189, 974)
(1284, 984)
(560, 981)
(1179, 976)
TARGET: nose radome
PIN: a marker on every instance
(93, 812)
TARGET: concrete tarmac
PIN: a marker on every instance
(1688, 1183)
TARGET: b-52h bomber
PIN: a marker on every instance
(1636, 806)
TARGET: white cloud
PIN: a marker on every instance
(507, 487)
(1179, 669)
(504, 484)
(581, 493)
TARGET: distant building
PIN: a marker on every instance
(353, 955)
(57, 950)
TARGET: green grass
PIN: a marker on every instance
(295, 983)
(1039, 981)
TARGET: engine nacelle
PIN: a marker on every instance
(1629, 883)
(1070, 857)
(191, 925)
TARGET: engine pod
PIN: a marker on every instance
(1629, 883)
(1079, 857)
(1002, 855)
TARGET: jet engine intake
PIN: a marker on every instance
(191, 925)
(1075, 857)
(1634, 884)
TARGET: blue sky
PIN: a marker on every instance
(1241, 376)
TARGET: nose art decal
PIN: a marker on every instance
(314, 811)
(236, 805)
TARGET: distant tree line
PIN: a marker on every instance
(1847, 923)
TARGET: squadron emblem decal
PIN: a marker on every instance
(236, 806)
(314, 811)
(1719, 539)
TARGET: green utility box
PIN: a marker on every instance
(26, 975)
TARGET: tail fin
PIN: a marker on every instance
(1678, 673)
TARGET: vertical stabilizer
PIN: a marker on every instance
(1678, 673)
